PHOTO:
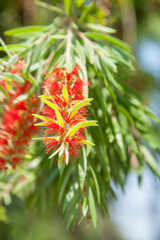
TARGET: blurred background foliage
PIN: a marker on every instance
(136, 22)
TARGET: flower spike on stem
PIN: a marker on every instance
(64, 114)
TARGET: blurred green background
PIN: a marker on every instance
(137, 23)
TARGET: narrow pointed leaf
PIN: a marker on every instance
(96, 183)
(86, 13)
(12, 76)
(77, 106)
(44, 138)
(24, 30)
(57, 151)
(84, 159)
(67, 4)
(100, 28)
(45, 96)
(60, 160)
(92, 207)
(46, 119)
(49, 7)
(65, 94)
(74, 129)
(87, 142)
(3, 91)
(66, 156)
(53, 106)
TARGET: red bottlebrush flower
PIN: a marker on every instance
(17, 122)
(64, 115)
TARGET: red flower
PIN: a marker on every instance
(17, 122)
(64, 115)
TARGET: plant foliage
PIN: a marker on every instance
(125, 138)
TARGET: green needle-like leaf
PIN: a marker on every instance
(74, 129)
(79, 105)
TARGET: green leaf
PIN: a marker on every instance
(29, 77)
(84, 158)
(4, 91)
(96, 183)
(150, 160)
(64, 181)
(53, 106)
(100, 28)
(82, 175)
(46, 119)
(84, 206)
(40, 72)
(3, 214)
(25, 30)
(13, 59)
(126, 113)
(96, 35)
(74, 129)
(79, 49)
(60, 160)
(49, 7)
(44, 138)
(5, 47)
(65, 94)
(82, 168)
(79, 3)
(87, 142)
(86, 12)
(20, 98)
(49, 179)
(67, 4)
(92, 207)
(14, 48)
(12, 76)
(79, 105)
(70, 195)
(74, 207)
(55, 152)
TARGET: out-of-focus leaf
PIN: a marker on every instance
(100, 28)
(96, 35)
(96, 183)
(72, 211)
(150, 160)
(82, 175)
(24, 30)
(64, 181)
(92, 207)
(84, 206)
(68, 5)
(30, 77)
(13, 60)
(15, 48)
(2, 89)
(5, 47)
(49, 7)
(86, 12)
(3, 215)
(12, 76)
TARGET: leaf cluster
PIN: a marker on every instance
(126, 138)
